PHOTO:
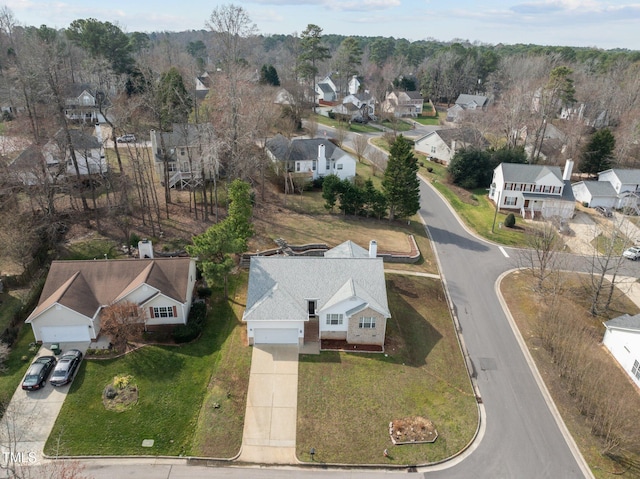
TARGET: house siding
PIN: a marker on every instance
(357, 335)
(624, 345)
(59, 315)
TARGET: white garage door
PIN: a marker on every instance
(56, 334)
(275, 336)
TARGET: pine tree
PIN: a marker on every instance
(598, 152)
(400, 183)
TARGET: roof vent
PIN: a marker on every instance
(145, 248)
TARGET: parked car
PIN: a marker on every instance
(606, 212)
(66, 368)
(360, 119)
(38, 373)
(126, 139)
(632, 253)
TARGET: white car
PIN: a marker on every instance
(632, 253)
(126, 139)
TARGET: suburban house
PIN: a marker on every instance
(622, 339)
(441, 145)
(185, 153)
(549, 145)
(339, 296)
(314, 157)
(81, 104)
(403, 103)
(466, 102)
(626, 184)
(587, 113)
(361, 104)
(533, 190)
(203, 85)
(77, 292)
(53, 160)
(326, 90)
(595, 193)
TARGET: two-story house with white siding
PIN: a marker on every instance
(533, 190)
(315, 157)
(622, 339)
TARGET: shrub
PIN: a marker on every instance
(195, 324)
(429, 169)
(122, 381)
(134, 239)
(204, 292)
(510, 220)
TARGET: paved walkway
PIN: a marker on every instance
(269, 435)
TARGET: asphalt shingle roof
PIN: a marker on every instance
(525, 173)
(598, 188)
(85, 286)
(279, 287)
(625, 322)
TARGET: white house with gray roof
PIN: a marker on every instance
(626, 184)
(442, 145)
(341, 295)
(533, 190)
(622, 339)
(314, 157)
(595, 193)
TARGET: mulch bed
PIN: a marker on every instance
(412, 430)
(339, 345)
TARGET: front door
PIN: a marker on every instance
(312, 307)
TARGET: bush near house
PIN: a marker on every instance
(195, 324)
(510, 220)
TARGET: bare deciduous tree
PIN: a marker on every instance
(123, 322)
(360, 145)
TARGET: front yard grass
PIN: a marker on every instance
(174, 383)
(346, 400)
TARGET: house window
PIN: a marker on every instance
(183, 152)
(367, 323)
(433, 149)
(636, 369)
(339, 166)
(172, 167)
(328, 165)
(164, 312)
(297, 166)
(510, 200)
(334, 319)
(313, 165)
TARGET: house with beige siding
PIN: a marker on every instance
(76, 293)
(340, 296)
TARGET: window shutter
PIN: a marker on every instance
(151, 312)
(175, 312)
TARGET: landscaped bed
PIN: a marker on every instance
(347, 400)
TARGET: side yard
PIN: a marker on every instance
(597, 401)
(346, 400)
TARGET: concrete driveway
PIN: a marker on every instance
(30, 416)
(269, 435)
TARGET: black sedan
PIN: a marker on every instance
(38, 372)
(66, 368)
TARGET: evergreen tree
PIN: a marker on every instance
(597, 155)
(215, 247)
(312, 52)
(470, 168)
(400, 183)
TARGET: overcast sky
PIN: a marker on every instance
(600, 23)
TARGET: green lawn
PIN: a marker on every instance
(16, 365)
(355, 127)
(346, 401)
(174, 383)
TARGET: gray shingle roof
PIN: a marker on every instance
(301, 149)
(348, 249)
(79, 139)
(464, 99)
(466, 135)
(625, 322)
(525, 173)
(279, 287)
(627, 176)
(598, 188)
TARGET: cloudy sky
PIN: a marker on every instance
(600, 23)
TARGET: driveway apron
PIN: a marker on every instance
(269, 435)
